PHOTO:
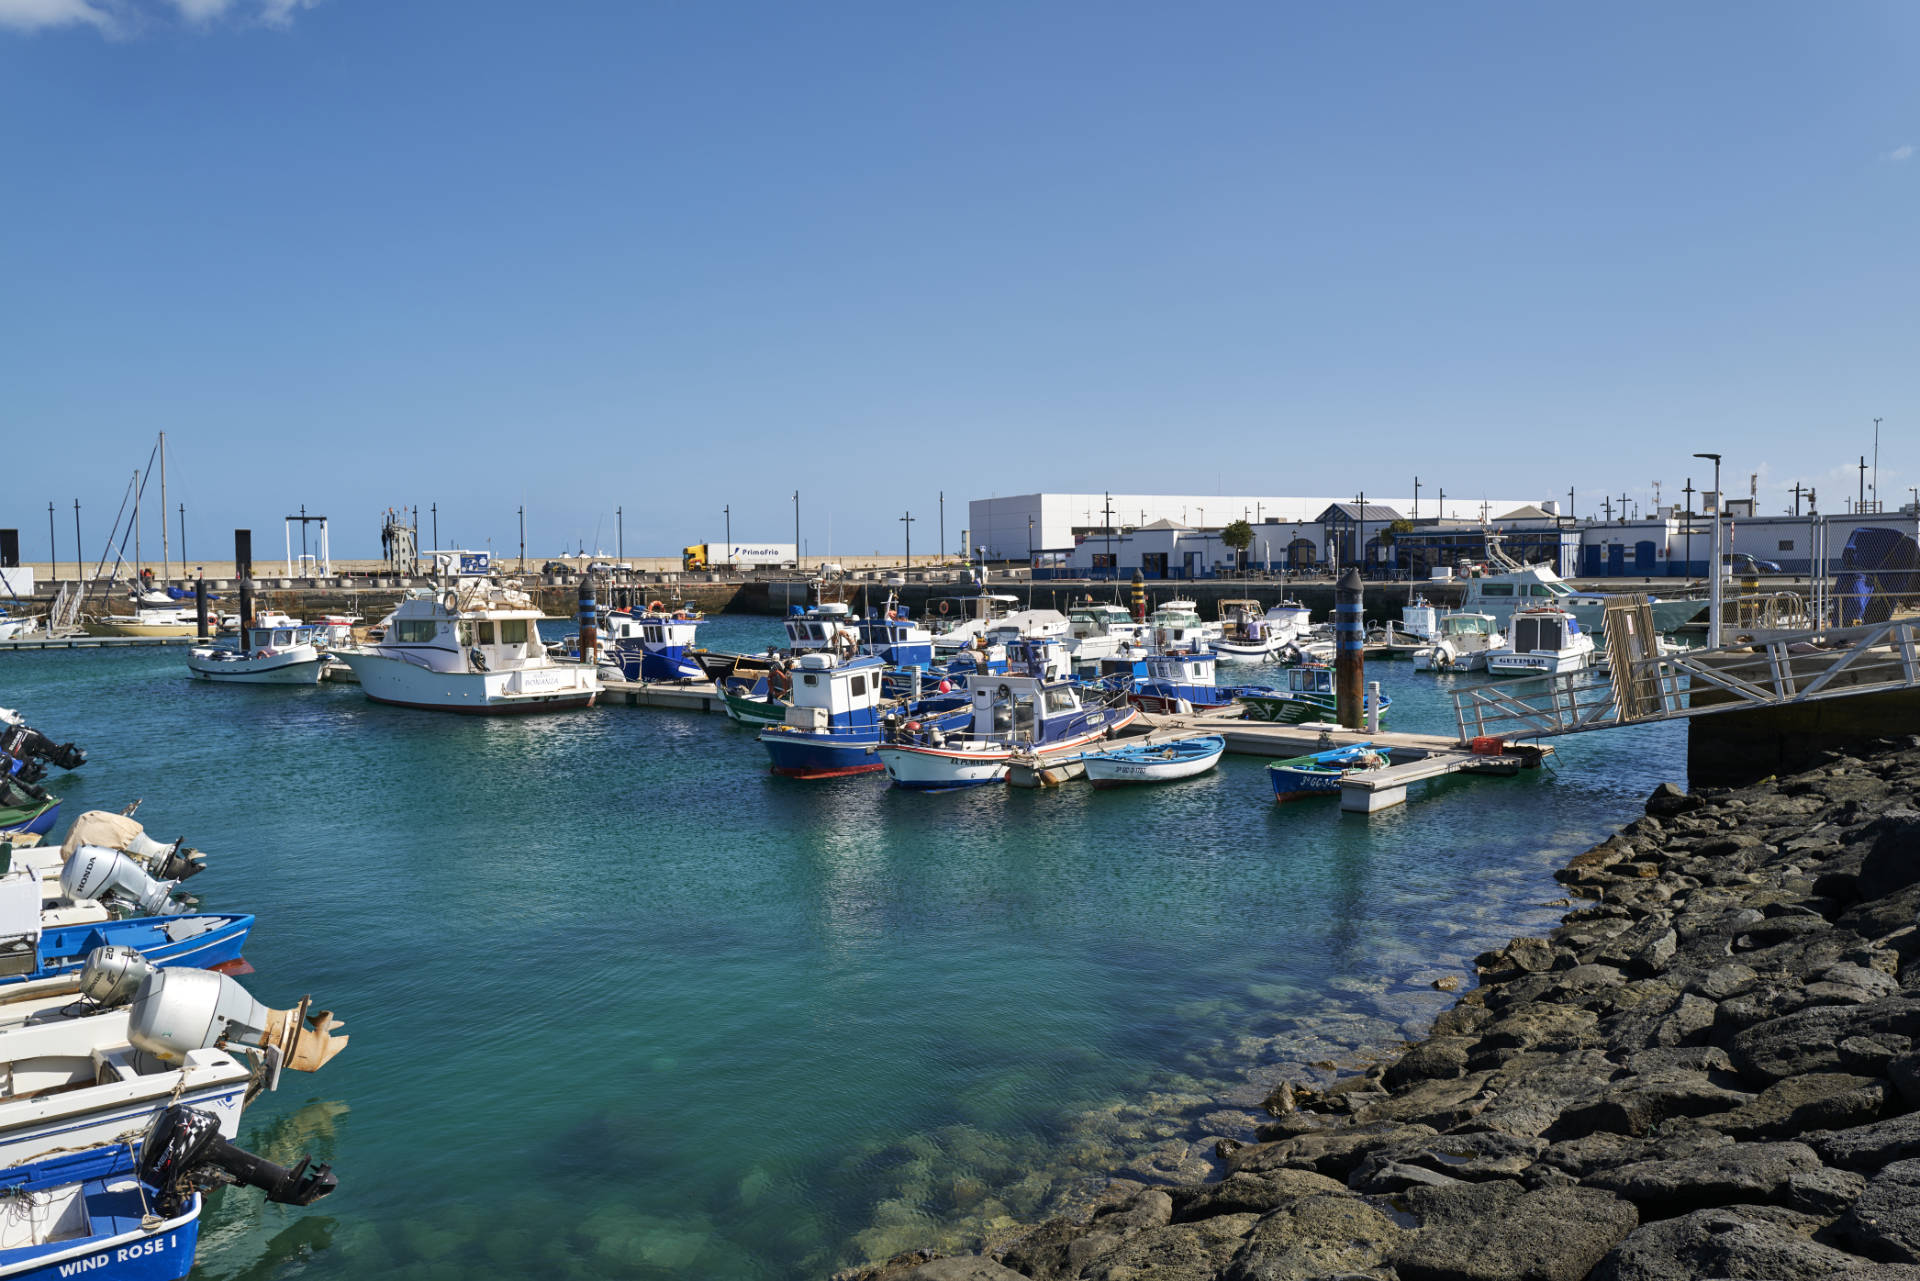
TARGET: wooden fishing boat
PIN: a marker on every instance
(1306, 777)
(1154, 762)
(1309, 696)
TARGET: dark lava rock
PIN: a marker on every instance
(1893, 840)
(1498, 1232)
(1638, 1104)
(1738, 1173)
(1904, 1071)
(1885, 1222)
(1441, 1057)
(1809, 1040)
(1316, 1236)
(1180, 1252)
(1817, 1101)
(1243, 1193)
(1668, 800)
(963, 1268)
(1745, 1242)
(1868, 1147)
(1333, 1152)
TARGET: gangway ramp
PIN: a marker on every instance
(1640, 686)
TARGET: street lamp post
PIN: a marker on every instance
(796, 533)
(1714, 586)
(523, 536)
(907, 523)
(727, 511)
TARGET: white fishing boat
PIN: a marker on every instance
(1176, 626)
(264, 655)
(1461, 644)
(958, 621)
(1547, 641)
(1154, 762)
(1289, 616)
(472, 647)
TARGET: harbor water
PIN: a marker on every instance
(624, 1005)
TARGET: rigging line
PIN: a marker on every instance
(86, 589)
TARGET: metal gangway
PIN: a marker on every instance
(1642, 682)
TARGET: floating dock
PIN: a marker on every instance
(1361, 792)
(692, 696)
(94, 642)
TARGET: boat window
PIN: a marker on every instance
(858, 685)
(513, 631)
(1526, 635)
(414, 630)
(1023, 715)
(810, 678)
(486, 632)
(1538, 589)
(1496, 589)
(1059, 700)
(281, 636)
(1323, 681)
(466, 633)
(1550, 634)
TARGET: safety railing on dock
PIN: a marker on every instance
(1638, 687)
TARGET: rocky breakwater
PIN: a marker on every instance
(1709, 1070)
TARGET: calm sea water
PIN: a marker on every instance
(624, 1005)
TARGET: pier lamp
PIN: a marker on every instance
(1713, 552)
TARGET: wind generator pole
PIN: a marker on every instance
(166, 551)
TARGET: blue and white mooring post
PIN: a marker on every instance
(1350, 650)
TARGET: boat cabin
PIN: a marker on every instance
(834, 693)
(956, 611)
(1545, 630)
(493, 630)
(1101, 620)
(1177, 625)
(827, 626)
(1289, 614)
(1181, 669)
(894, 637)
(1041, 656)
(1021, 708)
(276, 639)
(1310, 678)
(1455, 626)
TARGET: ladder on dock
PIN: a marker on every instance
(1640, 685)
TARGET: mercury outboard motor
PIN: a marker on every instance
(34, 750)
(183, 1151)
(99, 873)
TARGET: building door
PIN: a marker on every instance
(1616, 559)
(1194, 568)
(1643, 553)
(1153, 564)
(1593, 552)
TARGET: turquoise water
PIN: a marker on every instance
(624, 1005)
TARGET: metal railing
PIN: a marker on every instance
(1639, 688)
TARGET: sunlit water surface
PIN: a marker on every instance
(624, 1005)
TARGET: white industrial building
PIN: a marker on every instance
(1007, 529)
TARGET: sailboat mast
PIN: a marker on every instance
(136, 525)
(166, 551)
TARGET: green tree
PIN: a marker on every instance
(1239, 536)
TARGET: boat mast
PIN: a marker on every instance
(136, 526)
(166, 551)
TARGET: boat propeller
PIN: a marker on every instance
(183, 1150)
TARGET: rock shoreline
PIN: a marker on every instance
(1708, 1070)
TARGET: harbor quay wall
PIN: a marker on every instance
(1708, 1070)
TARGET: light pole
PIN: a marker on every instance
(907, 522)
(79, 557)
(433, 510)
(1876, 462)
(727, 511)
(183, 534)
(53, 545)
(619, 533)
(523, 537)
(1714, 590)
(796, 533)
(943, 526)
(1687, 489)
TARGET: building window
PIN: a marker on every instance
(1786, 544)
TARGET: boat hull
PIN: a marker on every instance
(1296, 784)
(1120, 770)
(292, 668)
(810, 756)
(748, 710)
(933, 769)
(542, 689)
(38, 819)
(1537, 664)
(1287, 708)
(108, 627)
(63, 950)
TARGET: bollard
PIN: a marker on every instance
(1373, 707)
(1139, 597)
(1349, 639)
(200, 605)
(588, 616)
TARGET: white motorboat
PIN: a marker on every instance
(1246, 636)
(1154, 762)
(152, 614)
(266, 655)
(1176, 625)
(1103, 631)
(1289, 616)
(473, 647)
(1547, 641)
(958, 621)
(85, 1059)
(1511, 586)
(14, 626)
(943, 763)
(1460, 644)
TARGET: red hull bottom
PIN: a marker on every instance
(827, 773)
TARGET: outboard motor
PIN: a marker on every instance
(35, 750)
(177, 1011)
(183, 1151)
(112, 975)
(175, 862)
(99, 873)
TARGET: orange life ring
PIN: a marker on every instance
(655, 607)
(943, 607)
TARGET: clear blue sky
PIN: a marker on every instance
(665, 257)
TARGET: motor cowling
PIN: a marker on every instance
(177, 1011)
(112, 975)
(176, 861)
(182, 1150)
(99, 873)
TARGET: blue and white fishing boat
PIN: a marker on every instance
(826, 628)
(839, 711)
(1154, 762)
(1306, 777)
(91, 1213)
(201, 940)
(1309, 696)
(656, 645)
(1183, 680)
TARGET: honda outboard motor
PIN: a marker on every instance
(183, 1150)
(112, 975)
(177, 1011)
(95, 872)
(174, 862)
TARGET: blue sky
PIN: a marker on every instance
(665, 257)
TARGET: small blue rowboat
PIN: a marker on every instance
(1305, 777)
(1154, 762)
(99, 1221)
(199, 940)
